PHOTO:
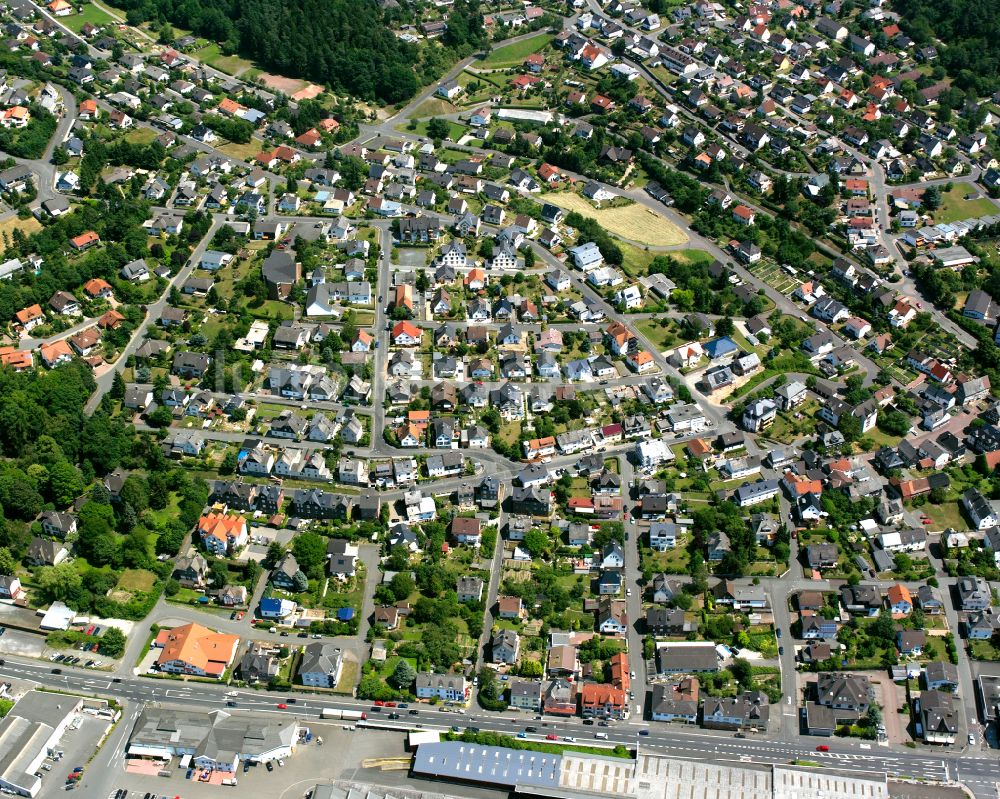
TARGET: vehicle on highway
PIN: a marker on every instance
(393, 716)
(588, 722)
(569, 739)
(531, 729)
(972, 739)
(522, 735)
(57, 671)
(781, 650)
(822, 748)
(601, 735)
(232, 693)
(551, 737)
(281, 706)
(643, 732)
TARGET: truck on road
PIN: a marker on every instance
(333, 713)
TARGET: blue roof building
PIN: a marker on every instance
(721, 347)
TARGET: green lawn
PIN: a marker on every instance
(984, 650)
(137, 580)
(139, 135)
(230, 64)
(511, 55)
(663, 338)
(947, 514)
(455, 130)
(433, 107)
(89, 13)
(954, 206)
(673, 561)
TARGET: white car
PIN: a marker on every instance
(628, 592)
(632, 675)
(972, 739)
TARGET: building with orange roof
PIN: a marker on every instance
(230, 107)
(222, 533)
(18, 360)
(86, 341)
(266, 159)
(88, 109)
(30, 317)
(329, 125)
(85, 241)
(699, 448)
(900, 600)
(540, 447)
(799, 485)
(549, 173)
(419, 418)
(97, 289)
(406, 334)
(619, 672)
(195, 650)
(285, 153)
(409, 435)
(476, 279)
(55, 353)
(620, 337)
(111, 320)
(16, 117)
(641, 361)
(404, 297)
(60, 8)
(308, 139)
(602, 701)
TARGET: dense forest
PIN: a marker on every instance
(971, 52)
(346, 44)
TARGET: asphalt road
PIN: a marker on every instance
(674, 741)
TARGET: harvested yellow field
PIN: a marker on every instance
(26, 226)
(632, 222)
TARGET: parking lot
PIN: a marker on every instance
(77, 747)
(340, 756)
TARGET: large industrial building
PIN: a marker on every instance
(214, 739)
(649, 776)
(29, 731)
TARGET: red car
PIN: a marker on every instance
(551, 737)
(239, 616)
(822, 748)
(926, 521)
(282, 706)
(379, 703)
(390, 704)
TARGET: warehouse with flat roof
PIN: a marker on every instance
(649, 775)
(30, 730)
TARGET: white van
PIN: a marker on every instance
(601, 735)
